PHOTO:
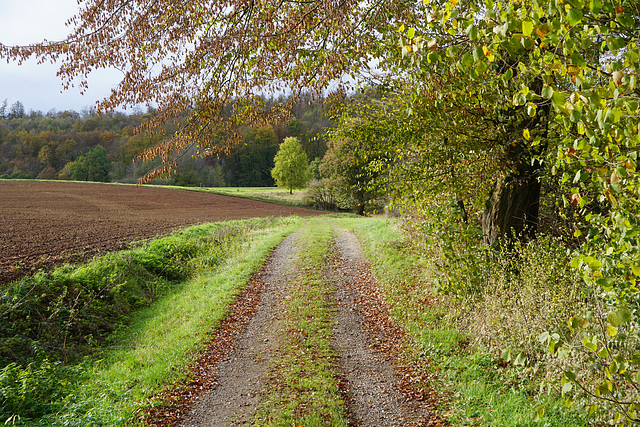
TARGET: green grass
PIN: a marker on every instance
(264, 194)
(152, 349)
(302, 386)
(483, 392)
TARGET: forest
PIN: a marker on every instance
(87, 146)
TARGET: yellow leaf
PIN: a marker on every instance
(612, 330)
(573, 69)
(485, 50)
(542, 30)
(401, 29)
(526, 134)
(635, 269)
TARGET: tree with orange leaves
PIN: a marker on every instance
(206, 63)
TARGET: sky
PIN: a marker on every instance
(37, 86)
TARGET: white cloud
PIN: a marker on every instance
(37, 86)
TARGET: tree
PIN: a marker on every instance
(205, 63)
(565, 76)
(291, 165)
(16, 111)
(94, 166)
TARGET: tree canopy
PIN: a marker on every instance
(291, 165)
(205, 63)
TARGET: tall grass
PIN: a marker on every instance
(146, 311)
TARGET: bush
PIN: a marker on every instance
(323, 194)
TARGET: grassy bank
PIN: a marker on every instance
(155, 303)
(483, 389)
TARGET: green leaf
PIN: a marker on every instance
(559, 99)
(519, 99)
(612, 331)
(527, 28)
(547, 92)
(411, 33)
(614, 319)
(589, 344)
(604, 353)
(472, 32)
(501, 30)
(467, 60)
(575, 16)
(624, 315)
(478, 54)
(571, 376)
(606, 283)
(538, 413)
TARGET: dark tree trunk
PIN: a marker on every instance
(512, 207)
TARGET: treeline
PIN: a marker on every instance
(87, 146)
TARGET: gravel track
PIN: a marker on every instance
(241, 373)
(370, 381)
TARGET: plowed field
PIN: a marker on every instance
(47, 223)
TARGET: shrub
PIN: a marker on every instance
(33, 391)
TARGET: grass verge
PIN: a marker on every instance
(482, 391)
(263, 194)
(155, 343)
(302, 387)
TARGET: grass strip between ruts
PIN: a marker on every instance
(302, 387)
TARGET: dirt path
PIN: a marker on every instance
(373, 386)
(241, 373)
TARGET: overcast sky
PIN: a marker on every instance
(37, 86)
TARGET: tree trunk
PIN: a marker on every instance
(513, 205)
(512, 208)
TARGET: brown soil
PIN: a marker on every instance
(47, 223)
